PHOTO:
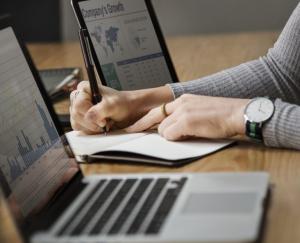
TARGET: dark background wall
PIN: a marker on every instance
(37, 20)
(217, 16)
(53, 20)
(188, 17)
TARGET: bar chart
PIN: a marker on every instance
(33, 162)
(29, 153)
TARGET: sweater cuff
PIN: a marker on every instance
(281, 131)
(177, 89)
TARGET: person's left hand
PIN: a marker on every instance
(196, 116)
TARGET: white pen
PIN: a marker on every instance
(67, 79)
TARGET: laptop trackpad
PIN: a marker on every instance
(220, 203)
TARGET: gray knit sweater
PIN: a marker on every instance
(276, 75)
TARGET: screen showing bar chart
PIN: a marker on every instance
(29, 153)
(33, 161)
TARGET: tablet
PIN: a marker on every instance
(127, 44)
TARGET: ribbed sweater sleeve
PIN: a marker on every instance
(276, 75)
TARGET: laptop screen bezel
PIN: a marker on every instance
(158, 31)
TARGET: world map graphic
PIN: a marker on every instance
(107, 38)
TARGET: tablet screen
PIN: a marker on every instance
(126, 43)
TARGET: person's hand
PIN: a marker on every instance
(118, 109)
(114, 110)
(196, 116)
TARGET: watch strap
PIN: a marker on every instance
(254, 131)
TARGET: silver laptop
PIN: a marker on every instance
(51, 201)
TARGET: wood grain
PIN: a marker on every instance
(197, 56)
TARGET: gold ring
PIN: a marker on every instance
(163, 110)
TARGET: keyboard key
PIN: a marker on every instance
(121, 194)
(165, 208)
(131, 204)
(81, 206)
(148, 204)
(108, 190)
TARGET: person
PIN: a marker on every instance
(210, 107)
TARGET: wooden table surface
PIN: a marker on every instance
(193, 57)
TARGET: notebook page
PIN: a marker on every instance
(90, 144)
(156, 146)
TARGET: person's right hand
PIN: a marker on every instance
(114, 111)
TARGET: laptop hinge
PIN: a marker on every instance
(60, 202)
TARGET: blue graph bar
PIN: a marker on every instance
(26, 152)
(15, 168)
(48, 126)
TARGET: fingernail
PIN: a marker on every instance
(102, 124)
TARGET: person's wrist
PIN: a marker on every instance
(135, 101)
(145, 100)
(237, 117)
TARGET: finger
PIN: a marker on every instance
(78, 127)
(170, 120)
(72, 96)
(81, 102)
(78, 123)
(110, 125)
(173, 132)
(99, 113)
(171, 107)
(153, 117)
(84, 86)
(92, 118)
(78, 119)
(172, 110)
(81, 123)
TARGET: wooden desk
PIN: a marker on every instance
(194, 57)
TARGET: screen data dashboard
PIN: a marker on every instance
(126, 43)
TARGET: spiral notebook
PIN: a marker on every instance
(148, 148)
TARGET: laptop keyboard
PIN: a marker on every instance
(143, 185)
(159, 185)
(112, 207)
(126, 207)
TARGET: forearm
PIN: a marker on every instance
(248, 80)
(283, 130)
(276, 75)
(147, 99)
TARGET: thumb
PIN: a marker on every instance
(84, 87)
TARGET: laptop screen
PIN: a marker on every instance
(126, 43)
(33, 161)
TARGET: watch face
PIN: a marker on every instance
(259, 110)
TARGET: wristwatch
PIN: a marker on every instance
(257, 113)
